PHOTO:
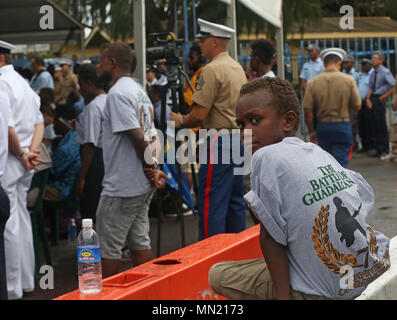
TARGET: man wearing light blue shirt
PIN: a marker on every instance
(348, 68)
(42, 78)
(367, 135)
(310, 70)
(313, 67)
(381, 85)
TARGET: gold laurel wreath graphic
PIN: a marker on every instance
(330, 256)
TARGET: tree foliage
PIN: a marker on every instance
(116, 16)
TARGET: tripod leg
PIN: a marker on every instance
(159, 211)
(179, 205)
(195, 185)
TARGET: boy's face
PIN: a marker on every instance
(257, 117)
(87, 89)
(47, 119)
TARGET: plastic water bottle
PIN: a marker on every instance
(89, 260)
(72, 231)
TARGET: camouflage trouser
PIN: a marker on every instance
(248, 280)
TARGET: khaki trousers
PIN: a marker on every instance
(248, 280)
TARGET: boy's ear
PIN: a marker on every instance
(289, 121)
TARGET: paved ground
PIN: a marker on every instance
(382, 176)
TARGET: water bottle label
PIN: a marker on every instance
(88, 255)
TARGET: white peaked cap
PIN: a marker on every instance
(210, 29)
(6, 47)
(336, 51)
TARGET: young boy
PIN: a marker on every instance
(49, 133)
(313, 235)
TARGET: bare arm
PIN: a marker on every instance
(193, 119)
(86, 160)
(383, 97)
(137, 138)
(38, 135)
(146, 149)
(28, 159)
(277, 262)
(303, 85)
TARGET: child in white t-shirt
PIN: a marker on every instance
(313, 235)
(49, 133)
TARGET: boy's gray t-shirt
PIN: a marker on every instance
(127, 108)
(317, 209)
(89, 124)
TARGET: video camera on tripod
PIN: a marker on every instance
(166, 47)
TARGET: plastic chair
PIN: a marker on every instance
(71, 202)
(39, 181)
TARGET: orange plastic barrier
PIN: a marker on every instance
(180, 275)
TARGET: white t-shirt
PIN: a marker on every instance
(89, 124)
(269, 74)
(4, 111)
(317, 209)
(25, 105)
(127, 108)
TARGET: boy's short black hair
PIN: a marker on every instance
(264, 50)
(88, 72)
(66, 111)
(47, 109)
(49, 93)
(156, 89)
(284, 96)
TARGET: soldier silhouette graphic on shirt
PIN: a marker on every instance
(346, 224)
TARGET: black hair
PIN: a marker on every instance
(48, 92)
(156, 89)
(264, 50)
(332, 58)
(196, 48)
(284, 95)
(88, 72)
(73, 97)
(133, 63)
(39, 60)
(122, 53)
(66, 111)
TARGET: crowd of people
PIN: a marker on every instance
(98, 127)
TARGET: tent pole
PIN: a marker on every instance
(82, 43)
(232, 22)
(140, 40)
(280, 52)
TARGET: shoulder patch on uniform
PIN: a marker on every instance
(200, 84)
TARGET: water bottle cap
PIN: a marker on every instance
(72, 220)
(87, 223)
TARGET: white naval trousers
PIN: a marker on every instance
(18, 236)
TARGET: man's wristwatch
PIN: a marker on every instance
(19, 156)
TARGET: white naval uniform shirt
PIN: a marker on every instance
(25, 105)
(4, 111)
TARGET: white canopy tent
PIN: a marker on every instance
(269, 10)
(20, 24)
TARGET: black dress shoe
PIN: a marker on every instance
(372, 153)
